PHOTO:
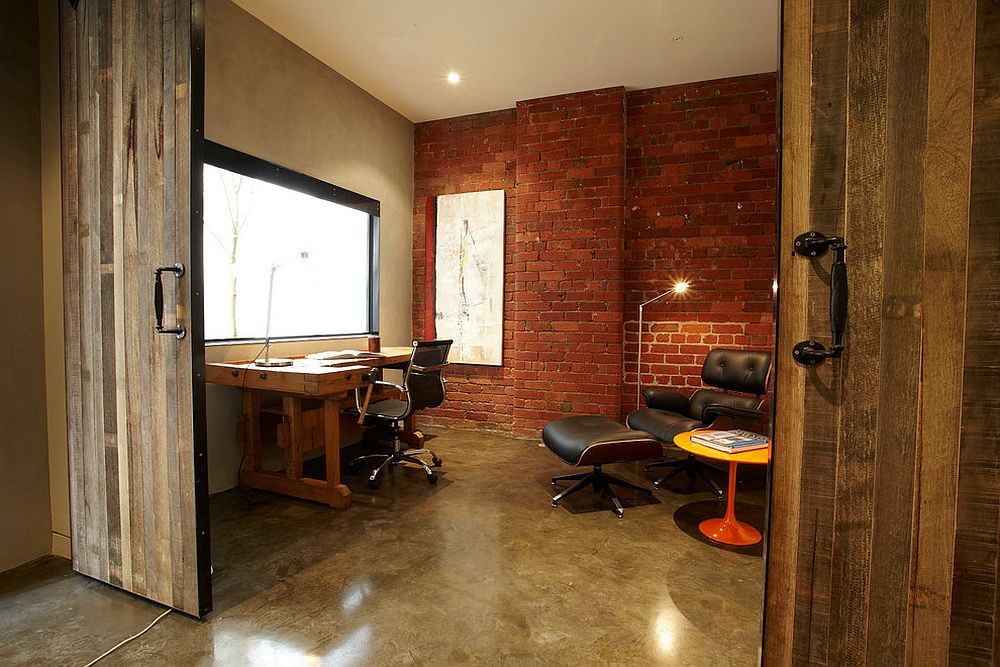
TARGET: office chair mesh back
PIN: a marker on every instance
(426, 390)
(424, 383)
(429, 354)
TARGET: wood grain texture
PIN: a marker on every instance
(820, 435)
(892, 553)
(975, 605)
(903, 273)
(947, 166)
(781, 544)
(126, 146)
(864, 229)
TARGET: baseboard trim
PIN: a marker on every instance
(61, 546)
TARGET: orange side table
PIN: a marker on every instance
(727, 530)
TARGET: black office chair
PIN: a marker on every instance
(670, 413)
(422, 388)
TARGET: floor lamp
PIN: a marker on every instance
(680, 287)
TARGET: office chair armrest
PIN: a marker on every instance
(665, 399)
(377, 383)
(713, 410)
(385, 384)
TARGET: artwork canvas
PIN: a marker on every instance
(469, 275)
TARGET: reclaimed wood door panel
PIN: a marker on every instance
(131, 189)
(885, 515)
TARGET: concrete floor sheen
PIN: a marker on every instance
(477, 569)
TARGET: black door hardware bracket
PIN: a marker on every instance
(811, 245)
(178, 270)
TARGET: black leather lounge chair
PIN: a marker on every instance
(669, 413)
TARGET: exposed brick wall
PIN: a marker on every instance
(567, 352)
(610, 196)
(701, 193)
(467, 154)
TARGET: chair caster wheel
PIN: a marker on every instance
(372, 483)
(432, 478)
(437, 462)
(555, 503)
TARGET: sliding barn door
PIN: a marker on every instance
(883, 547)
(131, 123)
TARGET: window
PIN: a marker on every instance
(316, 242)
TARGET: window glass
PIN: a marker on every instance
(316, 249)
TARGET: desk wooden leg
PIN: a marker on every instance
(292, 407)
(410, 435)
(251, 436)
(339, 494)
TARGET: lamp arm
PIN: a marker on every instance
(267, 330)
(638, 357)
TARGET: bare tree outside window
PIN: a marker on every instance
(228, 238)
(251, 225)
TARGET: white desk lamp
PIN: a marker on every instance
(680, 287)
(267, 361)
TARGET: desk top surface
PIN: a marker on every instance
(758, 456)
(310, 377)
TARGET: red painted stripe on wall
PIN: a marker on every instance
(430, 250)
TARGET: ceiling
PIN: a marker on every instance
(508, 50)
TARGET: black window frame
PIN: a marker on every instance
(230, 159)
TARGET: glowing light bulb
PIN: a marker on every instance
(453, 77)
(681, 286)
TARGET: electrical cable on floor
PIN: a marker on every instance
(243, 453)
(126, 641)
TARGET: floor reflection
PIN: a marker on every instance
(481, 569)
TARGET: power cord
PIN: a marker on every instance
(243, 452)
(126, 641)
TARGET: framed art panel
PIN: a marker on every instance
(469, 275)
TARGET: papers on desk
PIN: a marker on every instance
(325, 363)
(345, 355)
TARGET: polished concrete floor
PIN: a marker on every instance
(478, 569)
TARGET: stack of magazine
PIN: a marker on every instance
(731, 442)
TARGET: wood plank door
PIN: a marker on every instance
(131, 126)
(885, 513)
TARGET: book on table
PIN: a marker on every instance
(338, 355)
(731, 442)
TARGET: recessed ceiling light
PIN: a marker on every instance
(453, 77)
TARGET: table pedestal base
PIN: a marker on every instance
(728, 530)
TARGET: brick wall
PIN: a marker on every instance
(610, 197)
(701, 182)
(467, 154)
(567, 352)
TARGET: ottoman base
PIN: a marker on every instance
(601, 483)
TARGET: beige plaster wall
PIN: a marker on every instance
(269, 98)
(52, 283)
(24, 482)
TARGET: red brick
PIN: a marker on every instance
(611, 196)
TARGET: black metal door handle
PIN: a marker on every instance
(178, 270)
(814, 244)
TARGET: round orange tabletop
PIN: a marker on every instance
(758, 456)
(726, 529)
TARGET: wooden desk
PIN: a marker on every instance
(726, 529)
(301, 430)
